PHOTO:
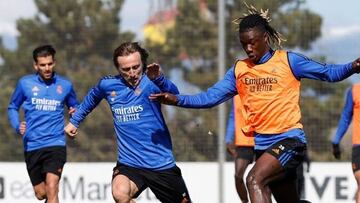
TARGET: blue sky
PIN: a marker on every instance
(340, 41)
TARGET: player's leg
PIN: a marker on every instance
(39, 190)
(34, 169)
(357, 177)
(127, 184)
(265, 170)
(123, 189)
(278, 164)
(285, 190)
(54, 159)
(290, 153)
(168, 185)
(52, 188)
(355, 161)
(245, 156)
(240, 167)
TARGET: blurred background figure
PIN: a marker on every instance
(43, 97)
(351, 112)
(239, 146)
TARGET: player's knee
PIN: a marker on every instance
(253, 182)
(40, 194)
(120, 197)
(40, 191)
(52, 187)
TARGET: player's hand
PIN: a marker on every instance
(164, 98)
(22, 128)
(356, 65)
(71, 130)
(231, 149)
(71, 111)
(336, 151)
(153, 71)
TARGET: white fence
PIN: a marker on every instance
(90, 183)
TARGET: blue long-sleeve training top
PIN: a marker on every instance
(346, 117)
(301, 66)
(230, 128)
(43, 104)
(142, 135)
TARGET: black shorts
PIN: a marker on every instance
(45, 160)
(167, 185)
(355, 158)
(290, 152)
(246, 153)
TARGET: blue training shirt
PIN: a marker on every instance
(301, 66)
(43, 104)
(142, 135)
(346, 117)
(230, 128)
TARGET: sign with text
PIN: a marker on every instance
(91, 183)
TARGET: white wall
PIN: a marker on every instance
(90, 183)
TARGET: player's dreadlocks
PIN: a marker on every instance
(259, 19)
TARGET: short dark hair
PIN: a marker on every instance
(128, 48)
(42, 51)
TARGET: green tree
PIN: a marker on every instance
(84, 33)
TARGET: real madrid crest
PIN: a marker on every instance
(35, 90)
(59, 89)
(137, 91)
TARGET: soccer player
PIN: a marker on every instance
(239, 146)
(43, 97)
(145, 157)
(268, 83)
(350, 113)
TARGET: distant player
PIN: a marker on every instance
(350, 113)
(43, 97)
(239, 146)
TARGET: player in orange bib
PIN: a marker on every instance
(268, 83)
(350, 113)
(239, 146)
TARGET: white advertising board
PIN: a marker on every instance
(90, 183)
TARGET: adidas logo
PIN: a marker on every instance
(276, 151)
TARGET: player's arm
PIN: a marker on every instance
(217, 94)
(344, 123)
(90, 101)
(15, 103)
(71, 101)
(155, 73)
(230, 132)
(303, 67)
